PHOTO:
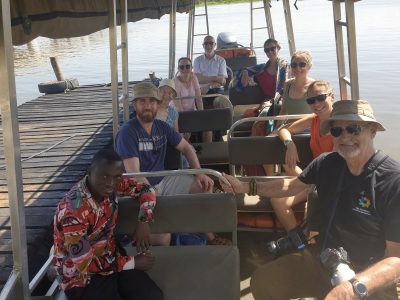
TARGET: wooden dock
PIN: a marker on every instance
(71, 127)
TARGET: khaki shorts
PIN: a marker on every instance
(174, 185)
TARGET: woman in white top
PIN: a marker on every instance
(187, 85)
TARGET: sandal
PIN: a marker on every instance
(219, 241)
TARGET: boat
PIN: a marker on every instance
(20, 24)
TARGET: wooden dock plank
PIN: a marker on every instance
(86, 115)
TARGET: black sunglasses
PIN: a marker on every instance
(208, 43)
(182, 67)
(319, 98)
(272, 49)
(351, 129)
(300, 65)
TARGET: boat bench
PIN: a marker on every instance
(207, 120)
(256, 150)
(190, 272)
(184, 272)
(251, 96)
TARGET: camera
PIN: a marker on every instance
(337, 263)
(296, 239)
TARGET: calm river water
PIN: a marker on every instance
(378, 42)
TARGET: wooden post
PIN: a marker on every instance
(56, 68)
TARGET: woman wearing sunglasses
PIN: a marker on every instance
(270, 76)
(319, 99)
(187, 86)
(295, 90)
(294, 94)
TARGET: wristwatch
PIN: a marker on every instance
(359, 288)
(287, 142)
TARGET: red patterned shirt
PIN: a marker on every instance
(84, 242)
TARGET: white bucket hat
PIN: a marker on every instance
(170, 83)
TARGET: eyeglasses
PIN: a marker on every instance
(319, 98)
(354, 129)
(300, 65)
(271, 49)
(182, 67)
(208, 43)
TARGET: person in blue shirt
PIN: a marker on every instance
(142, 143)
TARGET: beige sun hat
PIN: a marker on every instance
(170, 83)
(145, 89)
(351, 110)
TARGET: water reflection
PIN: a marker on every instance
(35, 54)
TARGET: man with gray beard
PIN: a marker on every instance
(359, 202)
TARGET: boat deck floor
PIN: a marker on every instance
(72, 126)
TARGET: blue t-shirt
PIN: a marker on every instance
(133, 141)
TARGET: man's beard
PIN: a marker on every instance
(147, 116)
(349, 154)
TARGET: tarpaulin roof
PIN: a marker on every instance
(71, 18)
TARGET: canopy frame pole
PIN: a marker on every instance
(268, 18)
(352, 49)
(344, 80)
(289, 26)
(113, 64)
(12, 153)
(124, 58)
(189, 50)
(172, 39)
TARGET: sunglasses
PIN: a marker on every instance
(208, 43)
(300, 65)
(182, 67)
(351, 129)
(272, 49)
(319, 98)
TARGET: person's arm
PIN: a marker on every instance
(132, 165)
(244, 78)
(189, 152)
(208, 79)
(382, 274)
(197, 93)
(203, 180)
(178, 87)
(273, 189)
(77, 235)
(176, 124)
(147, 199)
(222, 73)
(285, 133)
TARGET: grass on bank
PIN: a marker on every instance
(215, 2)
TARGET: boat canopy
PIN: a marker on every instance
(72, 18)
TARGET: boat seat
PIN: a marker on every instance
(238, 58)
(190, 272)
(259, 150)
(251, 96)
(207, 120)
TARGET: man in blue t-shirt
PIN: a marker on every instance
(142, 144)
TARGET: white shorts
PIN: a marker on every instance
(174, 185)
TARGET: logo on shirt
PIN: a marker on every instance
(362, 205)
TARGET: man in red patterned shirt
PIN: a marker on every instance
(87, 260)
